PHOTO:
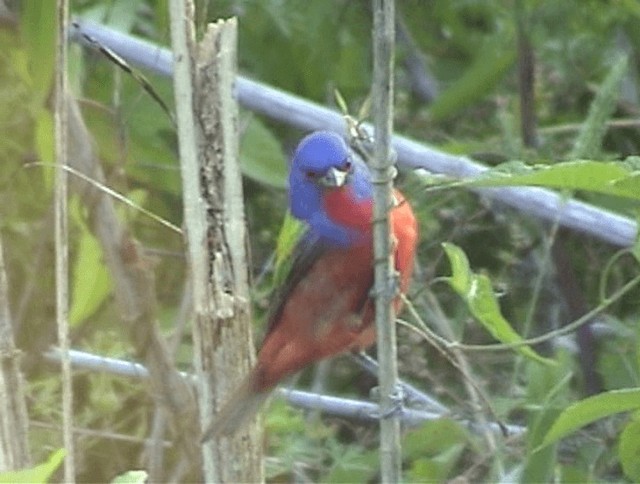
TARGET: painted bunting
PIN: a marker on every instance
(325, 306)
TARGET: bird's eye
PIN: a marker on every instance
(312, 175)
(346, 166)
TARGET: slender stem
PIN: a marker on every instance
(390, 399)
(551, 335)
(62, 235)
(14, 422)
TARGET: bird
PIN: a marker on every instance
(325, 305)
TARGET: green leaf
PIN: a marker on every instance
(630, 183)
(629, 450)
(435, 469)
(434, 449)
(290, 233)
(538, 466)
(39, 473)
(38, 21)
(261, 157)
(594, 128)
(365, 108)
(486, 70)
(282, 419)
(610, 178)
(460, 279)
(121, 15)
(91, 282)
(45, 143)
(148, 151)
(433, 438)
(546, 394)
(591, 409)
(355, 465)
(484, 306)
(342, 104)
(131, 477)
(477, 292)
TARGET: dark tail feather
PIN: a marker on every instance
(244, 403)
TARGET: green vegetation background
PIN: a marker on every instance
(586, 106)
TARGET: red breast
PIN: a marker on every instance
(342, 207)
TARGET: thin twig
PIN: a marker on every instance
(423, 83)
(526, 78)
(446, 344)
(134, 288)
(620, 123)
(551, 335)
(62, 235)
(382, 173)
(100, 434)
(477, 396)
(138, 76)
(112, 193)
(449, 352)
(14, 438)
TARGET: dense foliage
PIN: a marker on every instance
(518, 277)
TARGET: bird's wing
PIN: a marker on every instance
(305, 253)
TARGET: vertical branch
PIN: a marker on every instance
(182, 43)
(134, 290)
(526, 79)
(133, 279)
(383, 62)
(61, 235)
(14, 445)
(207, 115)
(423, 83)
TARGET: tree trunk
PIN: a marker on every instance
(207, 115)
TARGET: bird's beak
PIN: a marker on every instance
(334, 178)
